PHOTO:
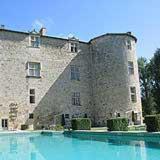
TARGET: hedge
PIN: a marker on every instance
(81, 124)
(152, 122)
(58, 128)
(24, 127)
(59, 119)
(117, 124)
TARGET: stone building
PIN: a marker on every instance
(43, 76)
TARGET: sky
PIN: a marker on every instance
(86, 19)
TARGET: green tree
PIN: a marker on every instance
(145, 77)
(155, 71)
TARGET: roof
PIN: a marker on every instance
(116, 34)
(107, 34)
(32, 32)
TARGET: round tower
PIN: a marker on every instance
(116, 90)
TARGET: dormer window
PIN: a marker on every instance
(73, 44)
(34, 41)
(74, 47)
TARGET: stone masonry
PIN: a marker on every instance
(104, 83)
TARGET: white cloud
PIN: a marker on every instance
(70, 35)
(39, 23)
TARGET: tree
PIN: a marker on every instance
(145, 77)
(155, 71)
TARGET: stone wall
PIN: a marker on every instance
(104, 80)
(54, 88)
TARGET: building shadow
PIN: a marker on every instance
(57, 95)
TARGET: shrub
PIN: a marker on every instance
(58, 128)
(59, 119)
(153, 123)
(117, 124)
(24, 127)
(38, 127)
(81, 124)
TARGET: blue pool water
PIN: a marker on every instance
(68, 147)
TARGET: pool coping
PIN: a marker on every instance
(29, 132)
(117, 133)
(89, 132)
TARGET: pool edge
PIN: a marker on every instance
(116, 133)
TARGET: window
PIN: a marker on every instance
(73, 116)
(130, 67)
(118, 114)
(74, 47)
(13, 145)
(32, 95)
(133, 94)
(85, 115)
(4, 123)
(67, 116)
(134, 116)
(76, 99)
(129, 45)
(34, 41)
(75, 73)
(31, 116)
(34, 69)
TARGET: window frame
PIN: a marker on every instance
(33, 41)
(75, 72)
(130, 67)
(34, 69)
(4, 123)
(133, 94)
(31, 116)
(76, 98)
(33, 95)
(66, 116)
(74, 47)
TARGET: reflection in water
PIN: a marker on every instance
(13, 145)
(33, 156)
(18, 147)
(76, 147)
(143, 150)
(119, 140)
(128, 146)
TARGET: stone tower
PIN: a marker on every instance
(115, 80)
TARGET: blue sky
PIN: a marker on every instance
(87, 18)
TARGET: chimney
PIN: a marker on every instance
(129, 33)
(2, 26)
(43, 31)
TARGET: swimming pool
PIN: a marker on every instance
(58, 146)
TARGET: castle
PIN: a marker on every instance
(43, 76)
